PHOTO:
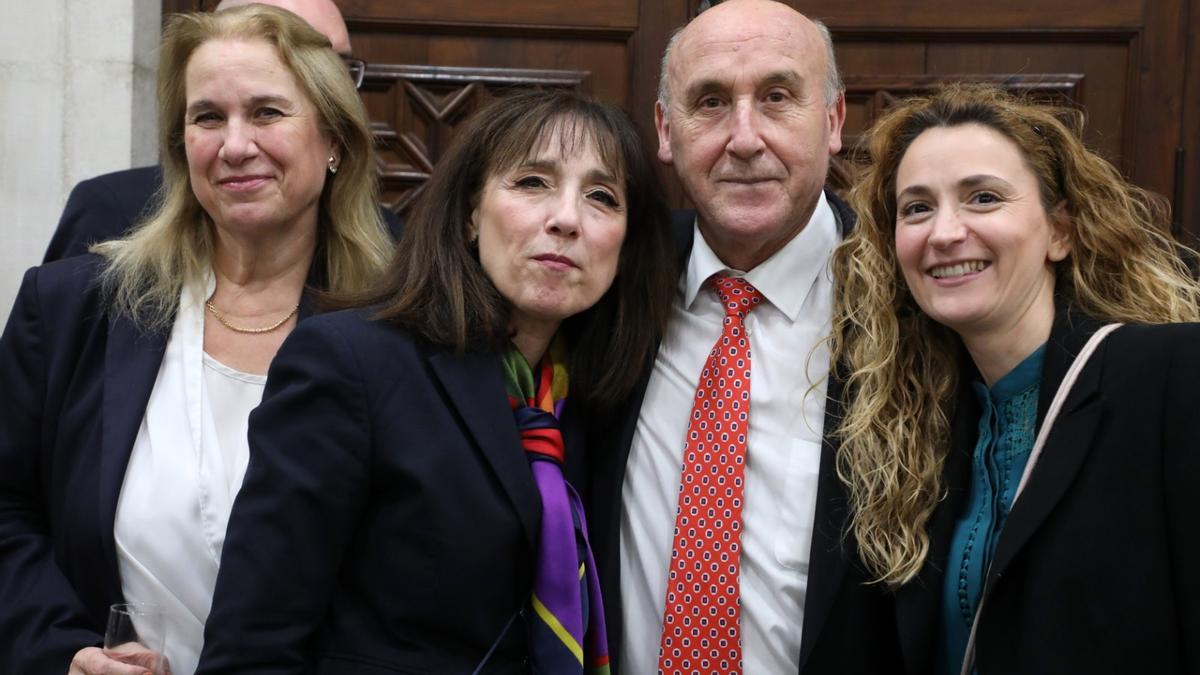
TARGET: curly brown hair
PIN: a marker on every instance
(901, 365)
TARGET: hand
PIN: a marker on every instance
(128, 659)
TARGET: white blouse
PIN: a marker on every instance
(183, 474)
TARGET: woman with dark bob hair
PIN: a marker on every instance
(127, 375)
(408, 505)
(1023, 485)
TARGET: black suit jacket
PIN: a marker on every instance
(388, 517)
(102, 208)
(834, 585)
(105, 207)
(74, 382)
(74, 385)
(1097, 569)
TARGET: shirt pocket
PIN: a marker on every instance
(793, 536)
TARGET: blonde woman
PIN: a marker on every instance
(991, 245)
(128, 375)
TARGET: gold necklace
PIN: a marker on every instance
(251, 331)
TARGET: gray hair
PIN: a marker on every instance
(833, 79)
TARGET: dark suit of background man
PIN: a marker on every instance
(750, 110)
(106, 206)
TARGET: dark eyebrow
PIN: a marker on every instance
(788, 78)
(701, 87)
(551, 166)
(982, 179)
(916, 190)
(974, 181)
(197, 106)
(602, 176)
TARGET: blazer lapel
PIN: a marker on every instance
(827, 559)
(475, 386)
(131, 362)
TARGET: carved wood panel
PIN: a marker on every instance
(869, 96)
(1137, 62)
(415, 110)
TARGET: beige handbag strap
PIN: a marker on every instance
(1056, 405)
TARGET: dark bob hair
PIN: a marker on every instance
(436, 287)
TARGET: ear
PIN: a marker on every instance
(335, 156)
(663, 126)
(473, 226)
(1061, 227)
(837, 117)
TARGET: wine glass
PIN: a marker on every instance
(136, 635)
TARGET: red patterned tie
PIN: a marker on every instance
(701, 631)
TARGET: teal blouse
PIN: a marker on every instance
(1006, 436)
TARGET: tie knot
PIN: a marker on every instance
(737, 295)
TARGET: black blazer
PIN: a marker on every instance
(388, 517)
(74, 385)
(834, 585)
(74, 382)
(102, 208)
(105, 207)
(1097, 569)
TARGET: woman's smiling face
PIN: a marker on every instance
(256, 152)
(973, 239)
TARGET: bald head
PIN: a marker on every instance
(322, 15)
(745, 15)
(748, 116)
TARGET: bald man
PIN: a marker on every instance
(717, 513)
(106, 206)
(320, 14)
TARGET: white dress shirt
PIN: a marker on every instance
(183, 474)
(789, 365)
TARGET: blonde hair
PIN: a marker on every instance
(901, 365)
(147, 269)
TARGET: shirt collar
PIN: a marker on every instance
(786, 277)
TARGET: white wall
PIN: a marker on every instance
(76, 100)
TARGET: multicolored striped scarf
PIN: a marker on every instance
(567, 633)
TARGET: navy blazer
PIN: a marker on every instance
(388, 517)
(74, 382)
(105, 207)
(102, 208)
(1097, 569)
(835, 583)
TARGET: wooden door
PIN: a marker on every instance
(433, 63)
(1126, 62)
(1123, 61)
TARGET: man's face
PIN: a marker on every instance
(747, 127)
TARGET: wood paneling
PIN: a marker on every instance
(418, 108)
(869, 96)
(973, 14)
(1186, 189)
(1102, 90)
(588, 14)
(422, 83)
(1131, 56)
(1135, 64)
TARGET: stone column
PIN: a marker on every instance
(76, 100)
